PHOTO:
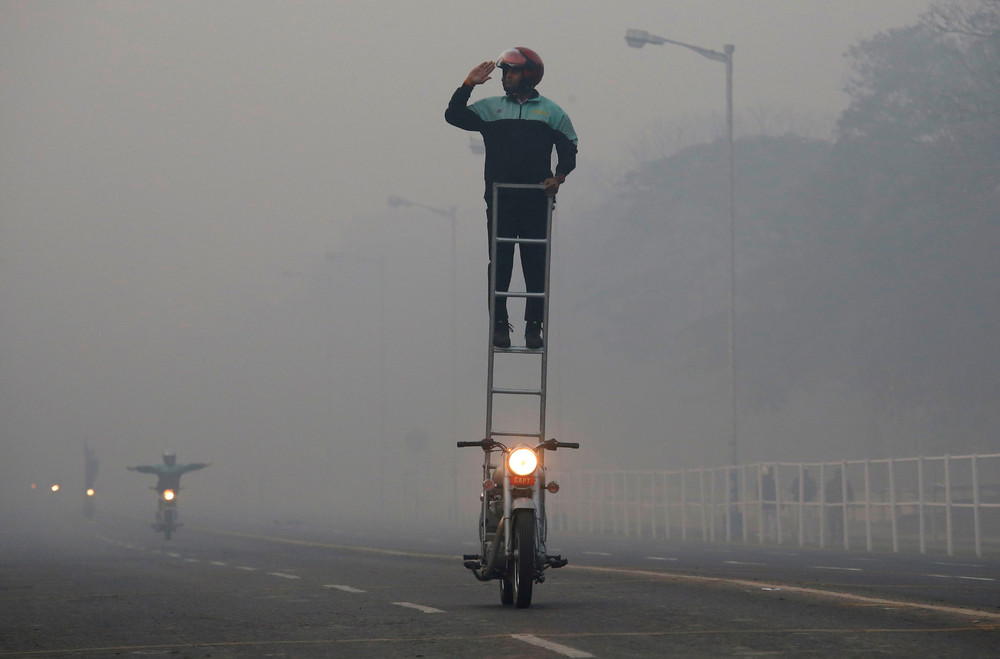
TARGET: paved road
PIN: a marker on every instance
(112, 588)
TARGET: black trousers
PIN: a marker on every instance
(523, 214)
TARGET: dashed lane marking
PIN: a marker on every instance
(419, 607)
(837, 567)
(247, 568)
(558, 648)
(742, 563)
(346, 589)
(284, 575)
(219, 563)
(815, 592)
(597, 553)
(660, 558)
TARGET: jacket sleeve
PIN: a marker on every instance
(565, 143)
(147, 469)
(194, 466)
(458, 113)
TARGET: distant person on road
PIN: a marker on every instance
(520, 130)
(769, 503)
(169, 473)
(837, 492)
(804, 493)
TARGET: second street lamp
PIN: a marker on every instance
(637, 39)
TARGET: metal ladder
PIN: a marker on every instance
(493, 391)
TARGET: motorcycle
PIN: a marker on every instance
(512, 522)
(89, 503)
(166, 513)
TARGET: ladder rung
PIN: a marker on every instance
(517, 294)
(524, 241)
(517, 392)
(504, 433)
(520, 350)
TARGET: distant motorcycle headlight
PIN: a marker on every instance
(90, 492)
(522, 461)
(168, 495)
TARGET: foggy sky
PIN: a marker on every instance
(195, 247)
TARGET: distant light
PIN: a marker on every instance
(55, 487)
(90, 492)
(33, 486)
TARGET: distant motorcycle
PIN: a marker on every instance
(512, 522)
(89, 503)
(166, 514)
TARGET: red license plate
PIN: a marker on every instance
(522, 481)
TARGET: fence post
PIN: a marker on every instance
(684, 506)
(801, 496)
(975, 506)
(892, 506)
(666, 505)
(920, 504)
(868, 505)
(843, 502)
(947, 504)
(822, 505)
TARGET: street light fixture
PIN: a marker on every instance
(637, 39)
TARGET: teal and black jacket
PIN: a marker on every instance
(519, 137)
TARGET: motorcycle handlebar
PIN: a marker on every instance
(485, 444)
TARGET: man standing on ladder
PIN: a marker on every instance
(519, 132)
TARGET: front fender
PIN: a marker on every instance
(523, 503)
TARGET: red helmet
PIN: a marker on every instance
(525, 59)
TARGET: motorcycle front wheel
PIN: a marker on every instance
(168, 524)
(523, 565)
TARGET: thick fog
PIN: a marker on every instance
(197, 252)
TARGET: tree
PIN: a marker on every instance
(929, 95)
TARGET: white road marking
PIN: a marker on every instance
(419, 607)
(977, 578)
(170, 553)
(284, 575)
(346, 589)
(219, 563)
(192, 560)
(743, 563)
(956, 564)
(597, 553)
(834, 567)
(660, 558)
(558, 648)
(244, 567)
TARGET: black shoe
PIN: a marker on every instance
(533, 335)
(501, 334)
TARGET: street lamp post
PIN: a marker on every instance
(452, 214)
(637, 39)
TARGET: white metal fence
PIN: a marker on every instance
(946, 504)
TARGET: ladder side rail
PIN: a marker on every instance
(545, 319)
(492, 304)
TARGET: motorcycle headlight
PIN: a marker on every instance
(522, 461)
(168, 495)
(90, 492)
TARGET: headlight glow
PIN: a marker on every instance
(168, 495)
(522, 461)
(90, 492)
